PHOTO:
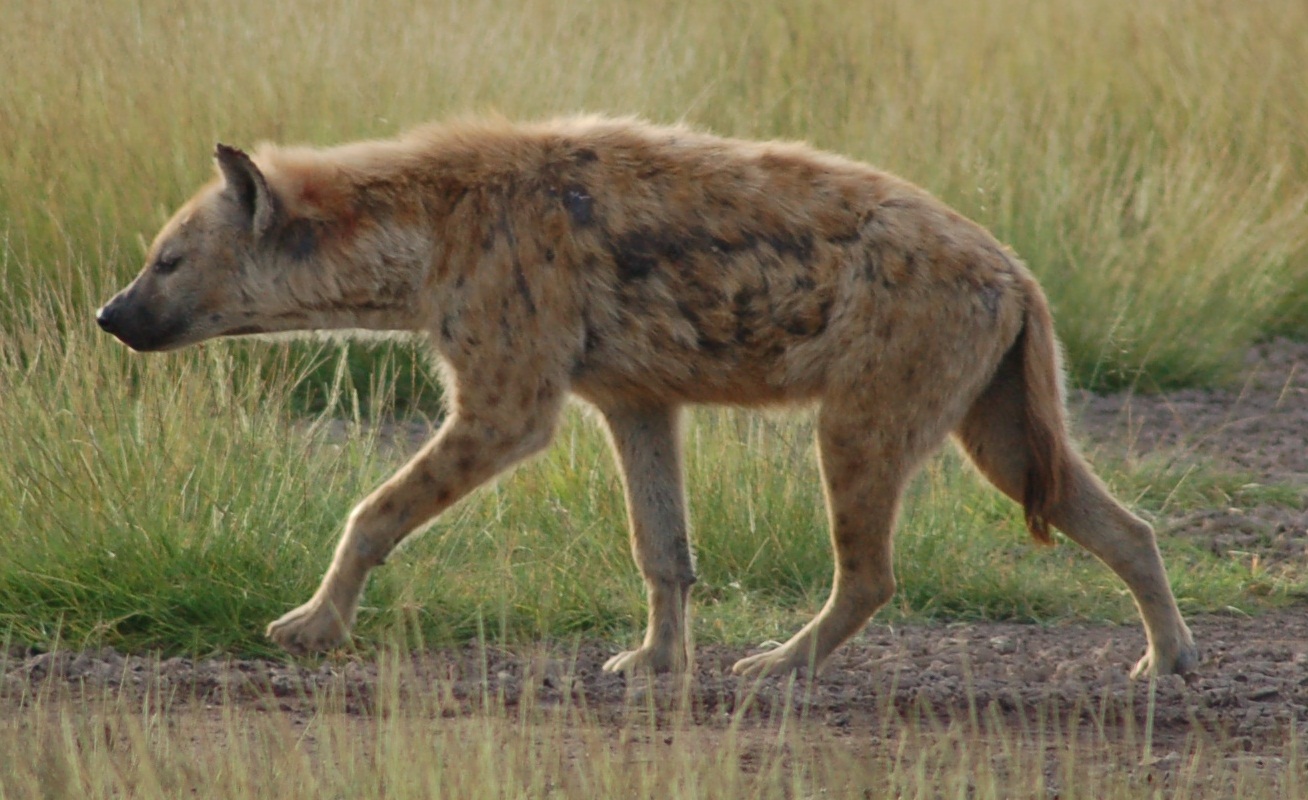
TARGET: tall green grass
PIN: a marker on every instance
(177, 504)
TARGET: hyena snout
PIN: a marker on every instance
(136, 325)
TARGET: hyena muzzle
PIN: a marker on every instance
(643, 269)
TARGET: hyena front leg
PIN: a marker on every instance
(648, 448)
(468, 450)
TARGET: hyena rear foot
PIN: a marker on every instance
(1179, 657)
(784, 659)
(648, 659)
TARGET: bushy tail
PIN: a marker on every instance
(1046, 422)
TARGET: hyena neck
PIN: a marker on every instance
(364, 266)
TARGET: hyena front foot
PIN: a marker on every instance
(316, 626)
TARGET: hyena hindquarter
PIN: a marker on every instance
(645, 268)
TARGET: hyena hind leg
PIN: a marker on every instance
(864, 471)
(648, 448)
(994, 434)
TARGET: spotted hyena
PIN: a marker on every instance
(642, 269)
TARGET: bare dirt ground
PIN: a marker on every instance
(1251, 691)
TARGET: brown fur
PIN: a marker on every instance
(644, 268)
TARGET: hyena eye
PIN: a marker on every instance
(166, 264)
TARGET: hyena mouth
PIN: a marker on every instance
(245, 330)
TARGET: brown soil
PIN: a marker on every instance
(1252, 686)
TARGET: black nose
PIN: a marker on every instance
(107, 319)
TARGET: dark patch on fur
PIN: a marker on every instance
(520, 278)
(245, 330)
(709, 345)
(799, 247)
(549, 254)
(810, 327)
(688, 312)
(743, 308)
(585, 156)
(871, 268)
(636, 255)
(299, 239)
(990, 296)
(843, 239)
(580, 205)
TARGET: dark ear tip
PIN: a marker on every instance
(223, 151)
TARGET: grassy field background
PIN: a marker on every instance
(1146, 159)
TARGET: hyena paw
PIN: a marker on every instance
(647, 659)
(1183, 661)
(782, 660)
(313, 627)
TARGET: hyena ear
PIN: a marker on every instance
(248, 186)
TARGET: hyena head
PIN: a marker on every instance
(242, 257)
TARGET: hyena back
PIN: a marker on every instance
(642, 269)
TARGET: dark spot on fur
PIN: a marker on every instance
(709, 345)
(849, 564)
(990, 296)
(585, 155)
(799, 247)
(688, 312)
(549, 254)
(442, 497)
(213, 318)
(746, 315)
(465, 462)
(805, 283)
(847, 238)
(446, 334)
(871, 266)
(523, 289)
(636, 255)
(580, 205)
(299, 239)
